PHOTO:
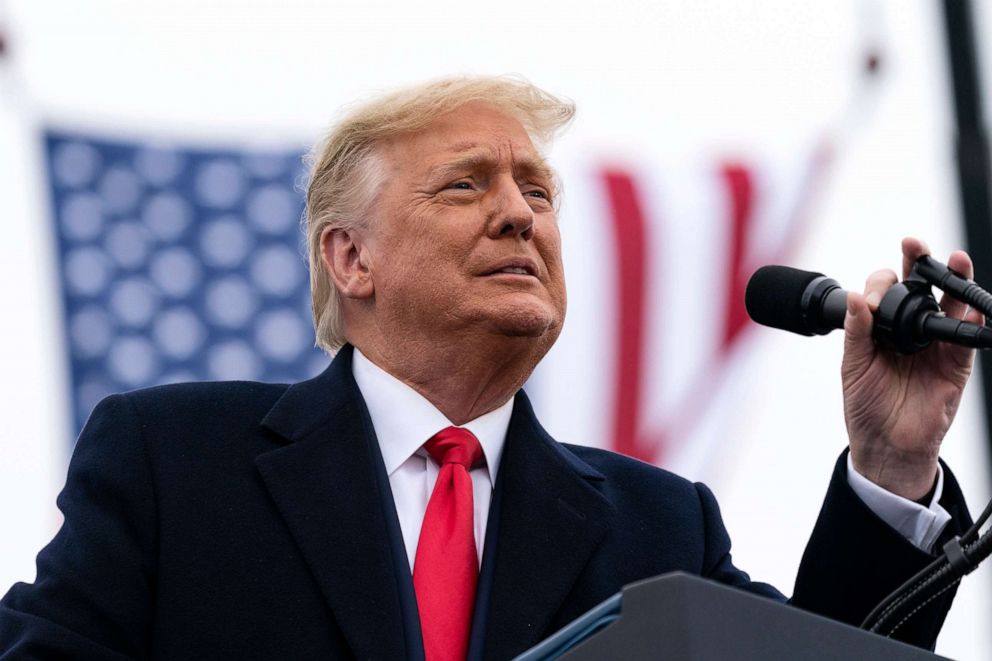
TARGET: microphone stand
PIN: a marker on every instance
(909, 319)
(961, 555)
(958, 560)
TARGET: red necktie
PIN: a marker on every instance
(446, 568)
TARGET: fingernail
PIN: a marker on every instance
(873, 299)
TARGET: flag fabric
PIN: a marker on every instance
(178, 264)
(181, 263)
(655, 360)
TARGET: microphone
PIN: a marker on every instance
(908, 318)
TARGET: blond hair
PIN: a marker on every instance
(345, 175)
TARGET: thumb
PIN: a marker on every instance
(859, 350)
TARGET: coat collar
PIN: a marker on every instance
(324, 483)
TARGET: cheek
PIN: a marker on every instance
(426, 260)
(440, 233)
(550, 248)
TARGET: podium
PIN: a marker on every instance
(686, 618)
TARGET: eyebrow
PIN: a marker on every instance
(476, 157)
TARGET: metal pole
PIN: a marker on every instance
(974, 173)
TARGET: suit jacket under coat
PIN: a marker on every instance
(253, 521)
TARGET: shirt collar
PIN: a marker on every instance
(404, 419)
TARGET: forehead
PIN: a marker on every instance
(475, 133)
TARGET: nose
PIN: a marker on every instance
(509, 213)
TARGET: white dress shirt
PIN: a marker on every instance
(404, 420)
(920, 524)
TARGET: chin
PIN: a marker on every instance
(527, 321)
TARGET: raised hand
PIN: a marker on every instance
(898, 408)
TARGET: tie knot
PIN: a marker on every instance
(455, 445)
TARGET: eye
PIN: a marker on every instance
(459, 185)
(538, 194)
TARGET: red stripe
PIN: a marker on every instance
(630, 231)
(740, 188)
(630, 234)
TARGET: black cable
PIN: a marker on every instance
(961, 561)
(957, 561)
(973, 530)
(955, 284)
(910, 586)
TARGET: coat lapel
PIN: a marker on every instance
(551, 519)
(324, 484)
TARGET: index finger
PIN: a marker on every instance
(912, 250)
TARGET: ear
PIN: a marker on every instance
(346, 262)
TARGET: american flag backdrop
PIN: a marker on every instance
(178, 264)
(182, 263)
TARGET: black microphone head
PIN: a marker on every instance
(774, 297)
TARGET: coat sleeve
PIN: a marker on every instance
(854, 560)
(93, 593)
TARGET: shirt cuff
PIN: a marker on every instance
(919, 524)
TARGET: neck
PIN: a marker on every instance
(463, 379)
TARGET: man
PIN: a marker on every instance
(407, 502)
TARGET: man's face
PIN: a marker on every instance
(465, 235)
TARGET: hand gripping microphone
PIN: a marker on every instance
(908, 318)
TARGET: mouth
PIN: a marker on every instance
(524, 267)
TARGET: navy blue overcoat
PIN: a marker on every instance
(254, 521)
